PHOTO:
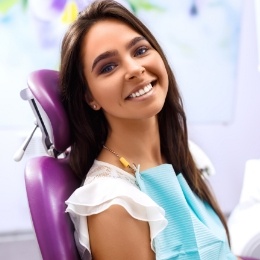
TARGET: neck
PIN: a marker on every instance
(137, 141)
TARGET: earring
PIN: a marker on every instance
(94, 107)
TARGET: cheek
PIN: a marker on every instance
(163, 72)
(159, 66)
(104, 93)
(166, 77)
(96, 87)
(104, 87)
(162, 68)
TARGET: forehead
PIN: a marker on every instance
(108, 29)
(106, 35)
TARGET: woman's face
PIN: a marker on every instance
(126, 76)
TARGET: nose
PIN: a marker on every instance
(134, 70)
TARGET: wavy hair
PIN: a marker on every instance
(90, 128)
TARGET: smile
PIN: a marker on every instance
(141, 91)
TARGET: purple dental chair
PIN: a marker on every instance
(49, 179)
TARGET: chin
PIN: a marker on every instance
(154, 111)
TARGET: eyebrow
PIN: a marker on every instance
(109, 54)
(134, 41)
(103, 56)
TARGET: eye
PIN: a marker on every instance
(107, 68)
(140, 51)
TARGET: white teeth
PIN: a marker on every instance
(141, 91)
(146, 89)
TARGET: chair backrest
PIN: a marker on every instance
(50, 180)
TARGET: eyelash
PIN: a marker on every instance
(107, 68)
(143, 48)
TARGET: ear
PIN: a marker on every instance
(94, 105)
(91, 102)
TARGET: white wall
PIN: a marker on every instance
(14, 211)
(230, 146)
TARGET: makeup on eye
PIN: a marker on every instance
(143, 47)
(107, 68)
(141, 50)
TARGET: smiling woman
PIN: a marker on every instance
(142, 195)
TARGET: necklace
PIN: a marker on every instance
(124, 162)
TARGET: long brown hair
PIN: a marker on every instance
(90, 128)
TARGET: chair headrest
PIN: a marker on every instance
(47, 105)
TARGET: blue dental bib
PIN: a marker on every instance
(194, 231)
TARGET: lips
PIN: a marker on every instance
(141, 91)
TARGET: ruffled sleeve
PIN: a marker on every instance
(99, 194)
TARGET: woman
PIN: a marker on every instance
(122, 100)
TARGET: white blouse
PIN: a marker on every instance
(107, 185)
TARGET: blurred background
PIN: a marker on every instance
(212, 47)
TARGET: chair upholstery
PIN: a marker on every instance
(43, 85)
(49, 182)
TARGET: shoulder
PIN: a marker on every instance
(101, 191)
(117, 212)
(115, 234)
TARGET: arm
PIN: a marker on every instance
(116, 235)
